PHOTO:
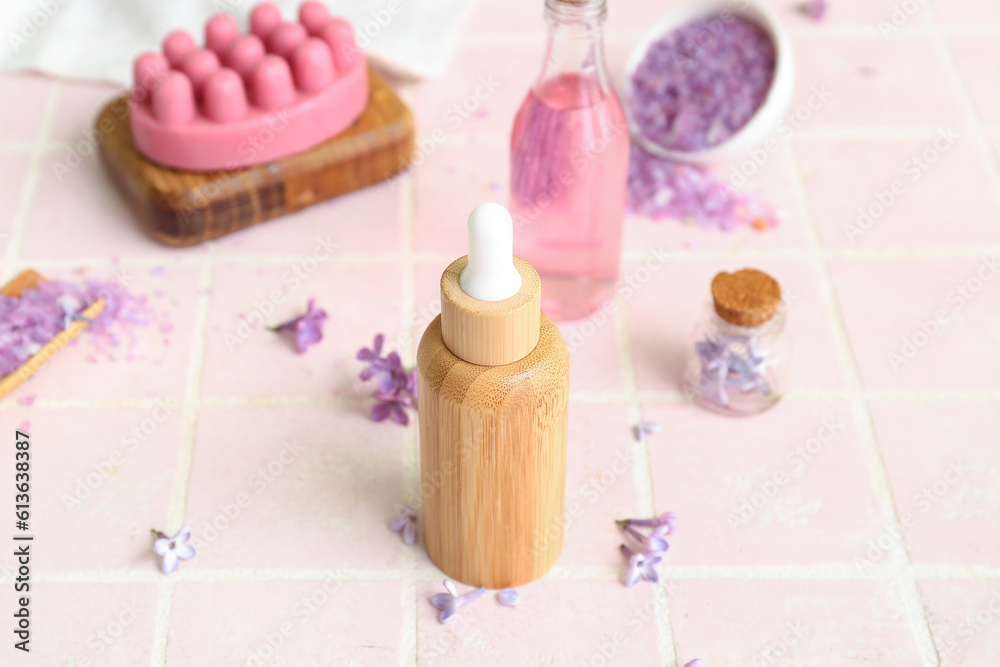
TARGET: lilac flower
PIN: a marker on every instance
(405, 523)
(642, 429)
(509, 597)
(450, 602)
(652, 543)
(641, 566)
(173, 549)
(397, 387)
(388, 369)
(731, 362)
(308, 328)
(697, 662)
(667, 519)
(391, 406)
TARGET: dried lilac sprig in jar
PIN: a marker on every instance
(741, 347)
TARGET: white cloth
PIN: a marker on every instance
(99, 39)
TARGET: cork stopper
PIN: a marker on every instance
(747, 298)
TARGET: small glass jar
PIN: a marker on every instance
(738, 370)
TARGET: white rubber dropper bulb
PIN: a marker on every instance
(490, 274)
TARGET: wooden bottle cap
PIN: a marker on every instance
(747, 298)
(491, 333)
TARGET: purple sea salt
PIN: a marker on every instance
(659, 188)
(698, 85)
(41, 313)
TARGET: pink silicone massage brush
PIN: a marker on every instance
(248, 99)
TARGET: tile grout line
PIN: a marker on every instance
(905, 580)
(408, 589)
(182, 467)
(29, 189)
(643, 475)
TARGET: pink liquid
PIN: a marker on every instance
(569, 164)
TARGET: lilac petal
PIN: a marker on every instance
(450, 586)
(509, 597)
(162, 546)
(446, 614)
(398, 522)
(380, 411)
(443, 601)
(632, 578)
(410, 533)
(471, 595)
(377, 345)
(694, 663)
(183, 535)
(399, 415)
(170, 561)
(184, 551)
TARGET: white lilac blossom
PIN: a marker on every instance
(731, 363)
(173, 549)
(405, 523)
(450, 602)
(642, 429)
(308, 328)
(509, 597)
(641, 566)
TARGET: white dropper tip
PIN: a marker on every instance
(490, 274)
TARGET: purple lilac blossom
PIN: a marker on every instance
(308, 328)
(641, 566)
(173, 549)
(697, 662)
(667, 520)
(405, 523)
(698, 85)
(729, 363)
(450, 602)
(509, 597)
(642, 429)
(397, 386)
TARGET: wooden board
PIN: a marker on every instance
(27, 280)
(182, 208)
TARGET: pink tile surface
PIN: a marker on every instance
(286, 623)
(976, 62)
(537, 632)
(98, 624)
(922, 325)
(773, 493)
(324, 479)
(963, 619)
(931, 192)
(270, 456)
(107, 473)
(792, 623)
(944, 468)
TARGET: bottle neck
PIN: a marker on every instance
(575, 43)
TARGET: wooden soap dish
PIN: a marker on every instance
(183, 208)
(27, 280)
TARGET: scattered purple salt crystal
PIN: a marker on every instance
(173, 549)
(642, 429)
(698, 85)
(450, 602)
(641, 566)
(308, 328)
(659, 189)
(509, 597)
(405, 523)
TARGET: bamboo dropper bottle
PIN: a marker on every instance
(493, 374)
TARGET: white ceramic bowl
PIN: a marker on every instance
(767, 117)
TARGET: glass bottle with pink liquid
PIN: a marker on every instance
(569, 165)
